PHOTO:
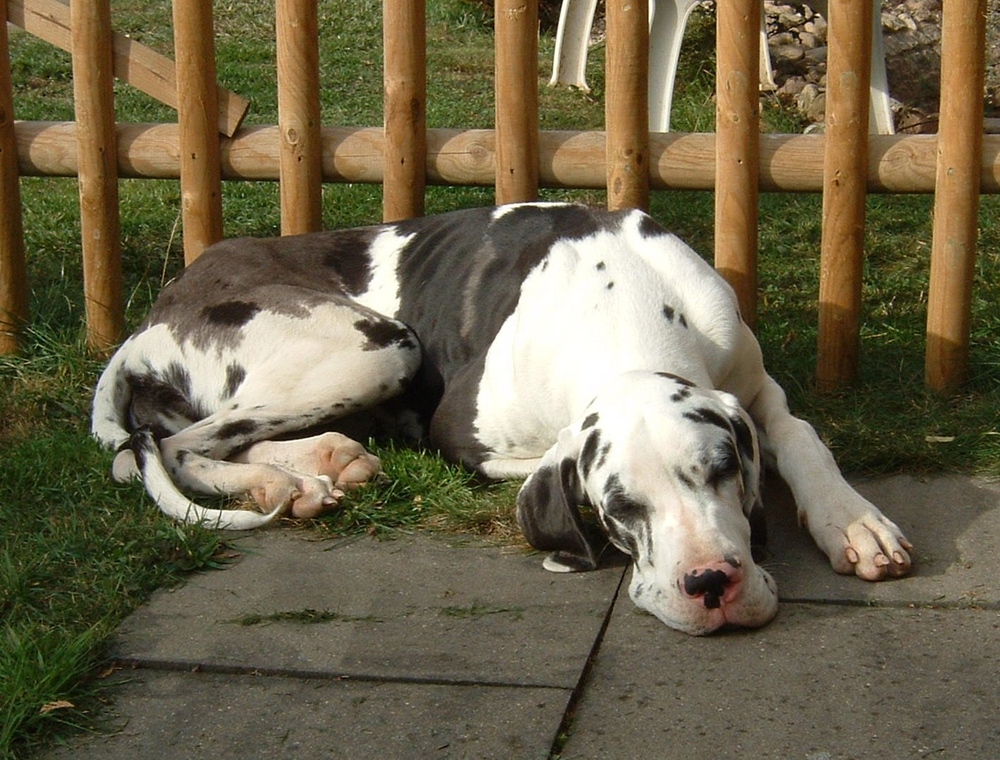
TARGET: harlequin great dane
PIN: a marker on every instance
(591, 352)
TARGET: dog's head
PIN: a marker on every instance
(672, 472)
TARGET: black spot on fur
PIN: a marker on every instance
(235, 375)
(649, 227)
(177, 376)
(144, 446)
(625, 509)
(588, 452)
(705, 416)
(602, 455)
(238, 429)
(601, 266)
(610, 285)
(350, 259)
(383, 333)
(684, 478)
(724, 465)
(744, 437)
(230, 313)
(681, 321)
(161, 401)
(668, 312)
(676, 378)
(460, 274)
(627, 520)
(682, 393)
(589, 421)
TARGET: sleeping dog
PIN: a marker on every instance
(590, 352)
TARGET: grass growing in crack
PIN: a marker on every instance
(478, 610)
(304, 617)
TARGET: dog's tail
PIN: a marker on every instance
(109, 419)
(112, 396)
(139, 454)
(162, 489)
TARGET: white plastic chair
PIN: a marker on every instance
(880, 116)
(667, 21)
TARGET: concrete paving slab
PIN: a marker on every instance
(473, 652)
(210, 716)
(411, 609)
(954, 522)
(821, 682)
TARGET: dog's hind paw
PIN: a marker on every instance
(346, 462)
(298, 496)
(124, 468)
(314, 497)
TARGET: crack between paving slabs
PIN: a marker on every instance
(188, 666)
(566, 724)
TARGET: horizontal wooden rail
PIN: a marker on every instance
(680, 161)
(136, 64)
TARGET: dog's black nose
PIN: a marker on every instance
(711, 584)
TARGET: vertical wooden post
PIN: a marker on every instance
(404, 33)
(13, 269)
(737, 148)
(516, 30)
(299, 150)
(97, 151)
(956, 195)
(845, 170)
(626, 111)
(197, 113)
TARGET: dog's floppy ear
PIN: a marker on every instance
(750, 468)
(549, 514)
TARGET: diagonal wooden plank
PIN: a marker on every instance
(134, 63)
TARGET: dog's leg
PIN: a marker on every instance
(195, 458)
(285, 392)
(852, 532)
(273, 488)
(344, 461)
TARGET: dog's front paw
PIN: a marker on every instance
(867, 544)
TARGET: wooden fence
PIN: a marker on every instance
(516, 157)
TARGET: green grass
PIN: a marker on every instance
(79, 552)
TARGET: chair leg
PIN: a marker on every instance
(569, 65)
(880, 119)
(667, 21)
(766, 71)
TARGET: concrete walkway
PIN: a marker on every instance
(419, 648)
